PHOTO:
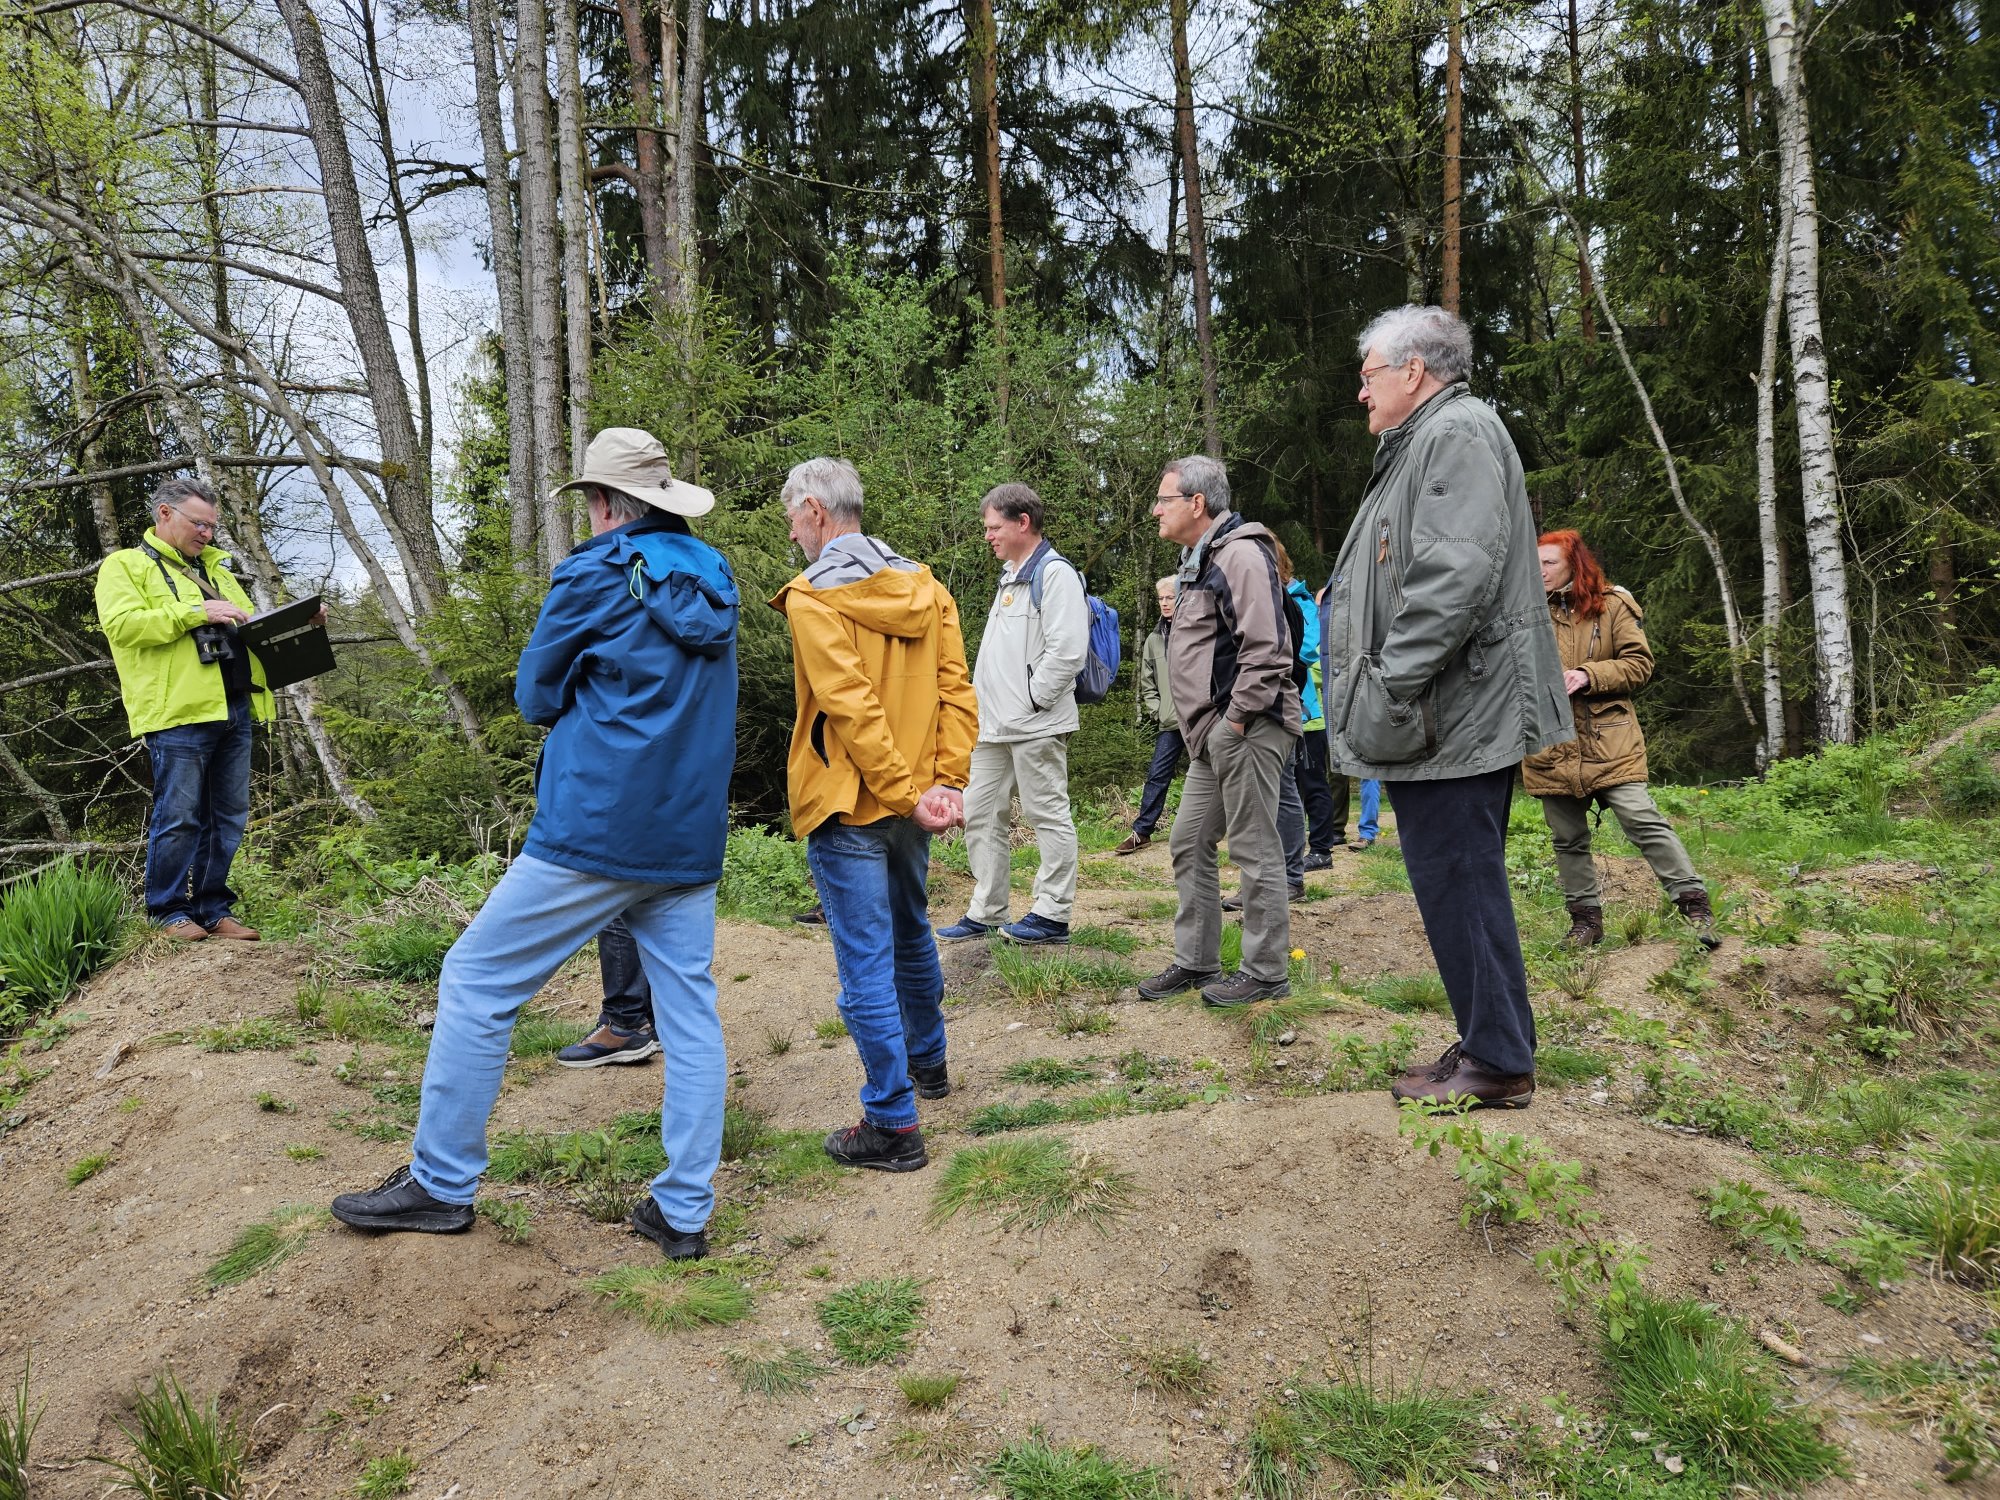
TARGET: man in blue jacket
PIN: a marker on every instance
(632, 664)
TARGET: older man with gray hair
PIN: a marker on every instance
(1441, 674)
(1229, 669)
(881, 751)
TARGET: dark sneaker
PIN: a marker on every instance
(962, 929)
(1586, 926)
(1298, 893)
(932, 1082)
(1134, 842)
(1319, 860)
(674, 1243)
(400, 1203)
(1461, 1077)
(607, 1045)
(867, 1145)
(1174, 980)
(1241, 989)
(1699, 915)
(1036, 928)
(814, 918)
(1232, 903)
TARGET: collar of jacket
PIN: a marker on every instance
(653, 521)
(210, 555)
(1210, 540)
(1395, 437)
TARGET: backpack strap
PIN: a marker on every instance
(1031, 571)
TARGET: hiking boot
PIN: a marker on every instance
(185, 930)
(1461, 1077)
(962, 929)
(401, 1203)
(1298, 893)
(1586, 926)
(1232, 903)
(814, 918)
(1174, 980)
(1357, 845)
(1241, 989)
(932, 1082)
(1036, 928)
(1134, 842)
(1699, 915)
(609, 1045)
(675, 1244)
(230, 928)
(1319, 859)
(867, 1145)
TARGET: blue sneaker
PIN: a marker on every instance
(609, 1045)
(1036, 928)
(962, 929)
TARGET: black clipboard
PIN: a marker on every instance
(288, 643)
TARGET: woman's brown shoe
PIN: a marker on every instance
(186, 930)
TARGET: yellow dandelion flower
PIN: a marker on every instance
(1298, 953)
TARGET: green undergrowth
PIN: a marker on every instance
(1050, 973)
(56, 929)
(19, 1418)
(671, 1296)
(1038, 1182)
(181, 1449)
(1364, 1433)
(873, 1322)
(406, 949)
(764, 877)
(1033, 1468)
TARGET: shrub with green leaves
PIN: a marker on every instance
(409, 950)
(56, 929)
(1968, 785)
(1748, 1211)
(1904, 989)
(1357, 1063)
(764, 877)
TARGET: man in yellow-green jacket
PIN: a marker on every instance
(170, 608)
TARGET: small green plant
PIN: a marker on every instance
(1747, 1211)
(257, 1034)
(1639, 1031)
(1876, 1258)
(1033, 1184)
(266, 1244)
(1904, 989)
(181, 1451)
(540, 1033)
(1033, 1469)
(309, 999)
(674, 1295)
(386, 1476)
(1357, 1063)
(271, 1104)
(830, 1029)
(1679, 1094)
(131, 1104)
(408, 950)
(1049, 1072)
(1077, 1018)
(1105, 1104)
(1959, 1402)
(926, 1391)
(86, 1167)
(304, 1153)
(1408, 994)
(777, 1042)
(513, 1220)
(362, 1016)
(1951, 1206)
(56, 929)
(1636, 926)
(1037, 974)
(1576, 975)
(785, 1373)
(1687, 978)
(1415, 1437)
(17, 1432)
(1570, 1064)
(873, 1322)
(764, 877)
(1177, 1371)
(1110, 939)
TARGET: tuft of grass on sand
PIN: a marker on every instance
(785, 1373)
(266, 1244)
(1033, 1184)
(674, 1295)
(873, 1322)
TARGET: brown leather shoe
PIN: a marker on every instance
(186, 930)
(1134, 842)
(229, 927)
(1476, 1086)
(1586, 925)
(1699, 915)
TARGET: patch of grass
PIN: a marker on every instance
(1045, 974)
(1050, 1072)
(1960, 1403)
(1160, 909)
(1077, 1018)
(181, 1451)
(56, 929)
(18, 1422)
(1418, 1437)
(927, 1391)
(309, 999)
(513, 1220)
(1033, 1184)
(787, 1159)
(1267, 1020)
(1575, 974)
(1691, 1379)
(785, 1373)
(1408, 994)
(1570, 1064)
(1884, 1114)
(1381, 870)
(623, 1156)
(743, 1130)
(257, 1034)
(362, 1016)
(941, 1446)
(777, 1042)
(873, 1322)
(830, 1029)
(408, 950)
(1110, 939)
(304, 1153)
(271, 1104)
(674, 1295)
(1951, 1206)
(540, 1033)
(1357, 1063)
(386, 1476)
(86, 1167)
(131, 1104)
(266, 1244)
(1033, 1469)
(1176, 1371)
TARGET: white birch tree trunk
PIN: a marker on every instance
(539, 267)
(1767, 481)
(693, 131)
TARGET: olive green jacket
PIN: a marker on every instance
(1436, 645)
(1156, 700)
(147, 608)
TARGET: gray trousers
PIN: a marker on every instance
(1037, 771)
(1232, 790)
(1644, 824)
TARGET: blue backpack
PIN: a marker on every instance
(1101, 662)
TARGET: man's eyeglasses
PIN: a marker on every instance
(1368, 376)
(201, 528)
(1159, 500)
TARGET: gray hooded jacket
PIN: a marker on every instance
(1438, 656)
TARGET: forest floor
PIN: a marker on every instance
(1266, 1232)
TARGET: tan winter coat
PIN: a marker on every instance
(1609, 748)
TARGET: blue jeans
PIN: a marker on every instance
(538, 915)
(1371, 808)
(201, 805)
(1168, 751)
(871, 885)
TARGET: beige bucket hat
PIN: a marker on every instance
(633, 462)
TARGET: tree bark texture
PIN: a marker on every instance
(1769, 544)
(1812, 388)
(540, 265)
(693, 132)
(1586, 301)
(647, 146)
(1204, 332)
(1454, 147)
(985, 36)
(576, 211)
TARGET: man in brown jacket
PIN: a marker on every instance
(1229, 670)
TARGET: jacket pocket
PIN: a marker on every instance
(1382, 731)
(818, 738)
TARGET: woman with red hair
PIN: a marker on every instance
(1605, 660)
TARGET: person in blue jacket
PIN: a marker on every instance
(632, 665)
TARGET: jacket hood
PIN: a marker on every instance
(891, 601)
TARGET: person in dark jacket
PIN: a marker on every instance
(1441, 674)
(1156, 703)
(632, 664)
(1229, 667)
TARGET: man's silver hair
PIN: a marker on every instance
(834, 482)
(623, 507)
(1201, 475)
(1430, 334)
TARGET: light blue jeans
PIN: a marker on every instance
(538, 915)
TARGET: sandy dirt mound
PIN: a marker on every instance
(1286, 1236)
